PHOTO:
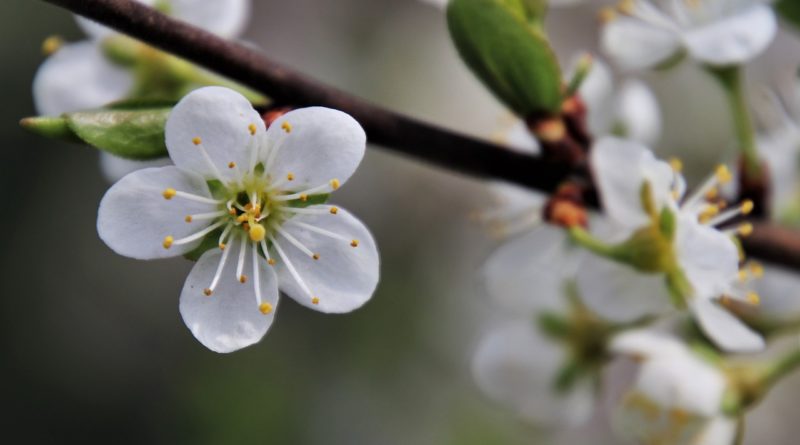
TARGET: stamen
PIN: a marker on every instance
(753, 298)
(292, 270)
(240, 265)
(231, 164)
(299, 195)
(286, 126)
(224, 234)
(290, 177)
(756, 269)
(256, 279)
(264, 249)
(198, 142)
(307, 211)
(198, 235)
(210, 289)
(204, 216)
(676, 164)
(315, 229)
(294, 241)
(168, 241)
(354, 243)
(170, 193)
(252, 129)
(721, 176)
(265, 308)
(745, 208)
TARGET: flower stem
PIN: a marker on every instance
(732, 80)
(782, 367)
(585, 239)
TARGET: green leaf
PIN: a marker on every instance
(789, 10)
(132, 134)
(50, 127)
(502, 42)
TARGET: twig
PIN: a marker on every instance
(390, 130)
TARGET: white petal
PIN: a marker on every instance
(724, 329)
(620, 168)
(636, 45)
(322, 144)
(78, 77)
(719, 431)
(527, 273)
(597, 92)
(230, 318)
(134, 218)
(646, 343)
(98, 31)
(620, 293)
(514, 199)
(226, 18)
(344, 277)
(115, 168)
(516, 366)
(638, 111)
(684, 382)
(735, 39)
(221, 118)
(709, 258)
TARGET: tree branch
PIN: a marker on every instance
(390, 130)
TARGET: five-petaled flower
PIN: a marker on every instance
(642, 34)
(250, 191)
(669, 237)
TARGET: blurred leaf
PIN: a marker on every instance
(132, 134)
(789, 10)
(504, 45)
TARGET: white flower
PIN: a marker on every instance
(677, 398)
(80, 77)
(673, 237)
(247, 188)
(642, 34)
(517, 366)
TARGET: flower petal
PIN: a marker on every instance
(646, 343)
(723, 328)
(516, 366)
(638, 112)
(115, 168)
(621, 168)
(527, 273)
(219, 121)
(316, 145)
(709, 258)
(78, 77)
(719, 431)
(597, 92)
(735, 39)
(230, 318)
(636, 45)
(134, 218)
(617, 292)
(226, 18)
(344, 277)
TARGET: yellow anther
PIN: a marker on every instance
(753, 298)
(208, 292)
(248, 206)
(679, 417)
(232, 212)
(607, 15)
(290, 177)
(712, 193)
(242, 218)
(742, 275)
(314, 300)
(723, 174)
(304, 197)
(725, 300)
(676, 164)
(335, 184)
(169, 193)
(315, 256)
(747, 207)
(231, 164)
(196, 140)
(745, 229)
(334, 210)
(168, 240)
(51, 45)
(243, 279)
(756, 269)
(709, 212)
(188, 218)
(354, 243)
(286, 126)
(257, 233)
(627, 6)
(265, 308)
(221, 246)
(271, 261)
(252, 128)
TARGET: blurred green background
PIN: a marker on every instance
(93, 347)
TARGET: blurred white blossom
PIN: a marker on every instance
(248, 187)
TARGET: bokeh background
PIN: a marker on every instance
(93, 348)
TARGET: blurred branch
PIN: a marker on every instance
(388, 129)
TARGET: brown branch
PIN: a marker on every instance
(390, 130)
